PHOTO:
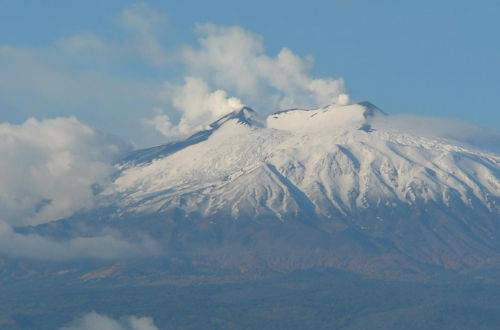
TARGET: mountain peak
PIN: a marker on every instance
(356, 116)
(245, 115)
(371, 109)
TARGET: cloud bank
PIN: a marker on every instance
(49, 168)
(107, 246)
(95, 321)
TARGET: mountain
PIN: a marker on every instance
(301, 188)
(328, 162)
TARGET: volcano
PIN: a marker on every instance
(303, 188)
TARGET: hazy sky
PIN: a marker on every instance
(118, 65)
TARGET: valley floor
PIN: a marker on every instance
(321, 299)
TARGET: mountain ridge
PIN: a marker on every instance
(351, 146)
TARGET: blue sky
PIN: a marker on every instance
(439, 58)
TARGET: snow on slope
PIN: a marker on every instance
(328, 161)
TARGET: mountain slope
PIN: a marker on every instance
(329, 187)
(330, 161)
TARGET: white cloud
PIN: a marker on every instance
(50, 167)
(229, 54)
(161, 123)
(95, 321)
(195, 100)
(196, 104)
(233, 59)
(106, 246)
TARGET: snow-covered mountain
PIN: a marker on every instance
(329, 162)
(331, 187)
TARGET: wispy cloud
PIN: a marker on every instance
(144, 23)
(95, 321)
(106, 246)
(99, 78)
(447, 128)
(118, 79)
